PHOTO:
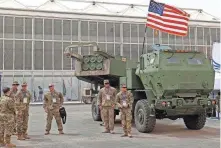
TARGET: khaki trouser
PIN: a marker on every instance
(108, 118)
(56, 114)
(7, 124)
(126, 119)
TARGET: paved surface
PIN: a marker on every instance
(82, 132)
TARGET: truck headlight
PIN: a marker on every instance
(209, 102)
(168, 103)
(179, 102)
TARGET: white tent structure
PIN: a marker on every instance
(103, 7)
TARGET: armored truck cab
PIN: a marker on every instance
(176, 84)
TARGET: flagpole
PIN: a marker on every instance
(144, 39)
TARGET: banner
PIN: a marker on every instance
(216, 56)
(216, 60)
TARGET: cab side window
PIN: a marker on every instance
(195, 61)
(173, 60)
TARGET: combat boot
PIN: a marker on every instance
(129, 135)
(26, 136)
(106, 131)
(112, 132)
(8, 142)
(47, 133)
(20, 137)
(124, 135)
(2, 143)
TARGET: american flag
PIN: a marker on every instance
(167, 18)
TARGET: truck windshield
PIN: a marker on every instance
(173, 60)
(194, 61)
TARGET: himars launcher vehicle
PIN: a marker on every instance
(166, 83)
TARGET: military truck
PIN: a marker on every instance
(166, 83)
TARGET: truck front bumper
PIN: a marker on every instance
(179, 106)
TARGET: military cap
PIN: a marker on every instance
(24, 84)
(15, 83)
(5, 90)
(50, 85)
(123, 85)
(106, 81)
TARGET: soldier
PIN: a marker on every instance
(13, 94)
(22, 104)
(106, 104)
(53, 101)
(124, 100)
(218, 104)
(7, 121)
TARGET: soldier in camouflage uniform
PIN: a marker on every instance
(124, 100)
(218, 104)
(22, 105)
(53, 100)
(7, 121)
(106, 103)
(13, 94)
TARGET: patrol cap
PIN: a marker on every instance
(24, 84)
(106, 81)
(15, 83)
(123, 85)
(5, 90)
(50, 85)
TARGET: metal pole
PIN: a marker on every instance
(144, 39)
(32, 57)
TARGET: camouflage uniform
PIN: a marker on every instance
(218, 104)
(13, 95)
(22, 105)
(7, 121)
(106, 101)
(52, 103)
(125, 101)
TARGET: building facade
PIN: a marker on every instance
(32, 44)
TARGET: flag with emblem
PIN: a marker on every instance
(167, 19)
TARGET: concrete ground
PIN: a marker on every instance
(82, 132)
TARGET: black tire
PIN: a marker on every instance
(209, 114)
(143, 121)
(195, 122)
(95, 111)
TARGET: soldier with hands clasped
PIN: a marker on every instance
(22, 104)
(124, 100)
(106, 103)
(7, 121)
(53, 101)
(13, 93)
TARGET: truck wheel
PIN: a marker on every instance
(195, 122)
(143, 121)
(95, 111)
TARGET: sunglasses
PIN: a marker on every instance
(106, 83)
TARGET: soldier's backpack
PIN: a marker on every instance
(63, 114)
